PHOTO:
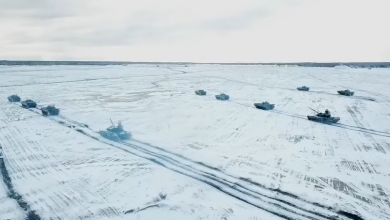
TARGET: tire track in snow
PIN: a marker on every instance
(377, 146)
(74, 194)
(86, 80)
(360, 127)
(59, 82)
(31, 214)
(222, 185)
(276, 202)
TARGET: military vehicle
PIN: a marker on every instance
(264, 106)
(200, 92)
(303, 88)
(29, 104)
(115, 133)
(50, 110)
(222, 96)
(346, 92)
(323, 117)
(14, 98)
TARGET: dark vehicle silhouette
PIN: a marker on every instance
(115, 133)
(29, 104)
(323, 117)
(346, 92)
(200, 92)
(50, 110)
(222, 96)
(264, 106)
(303, 88)
(13, 98)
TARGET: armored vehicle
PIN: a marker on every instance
(222, 96)
(264, 106)
(29, 104)
(303, 88)
(50, 110)
(200, 92)
(14, 98)
(346, 92)
(115, 133)
(323, 117)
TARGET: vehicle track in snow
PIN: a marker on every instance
(68, 196)
(60, 82)
(90, 79)
(275, 201)
(359, 128)
(354, 116)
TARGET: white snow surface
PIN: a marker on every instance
(9, 208)
(203, 143)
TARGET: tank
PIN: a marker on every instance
(14, 98)
(328, 120)
(115, 133)
(29, 104)
(50, 110)
(264, 106)
(109, 135)
(323, 118)
(346, 92)
(303, 88)
(200, 92)
(222, 96)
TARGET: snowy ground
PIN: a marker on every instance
(9, 208)
(204, 144)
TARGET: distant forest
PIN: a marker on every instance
(105, 63)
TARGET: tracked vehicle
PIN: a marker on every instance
(13, 98)
(50, 110)
(323, 117)
(222, 96)
(115, 133)
(264, 106)
(303, 88)
(29, 104)
(200, 92)
(346, 92)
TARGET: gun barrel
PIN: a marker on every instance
(313, 109)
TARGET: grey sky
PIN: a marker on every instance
(196, 30)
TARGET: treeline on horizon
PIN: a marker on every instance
(104, 63)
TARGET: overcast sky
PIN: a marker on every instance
(196, 30)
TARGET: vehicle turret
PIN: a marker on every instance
(200, 92)
(222, 96)
(346, 92)
(50, 110)
(28, 103)
(264, 106)
(115, 132)
(303, 88)
(13, 98)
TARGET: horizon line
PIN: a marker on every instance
(189, 62)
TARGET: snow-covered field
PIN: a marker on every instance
(212, 159)
(9, 208)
